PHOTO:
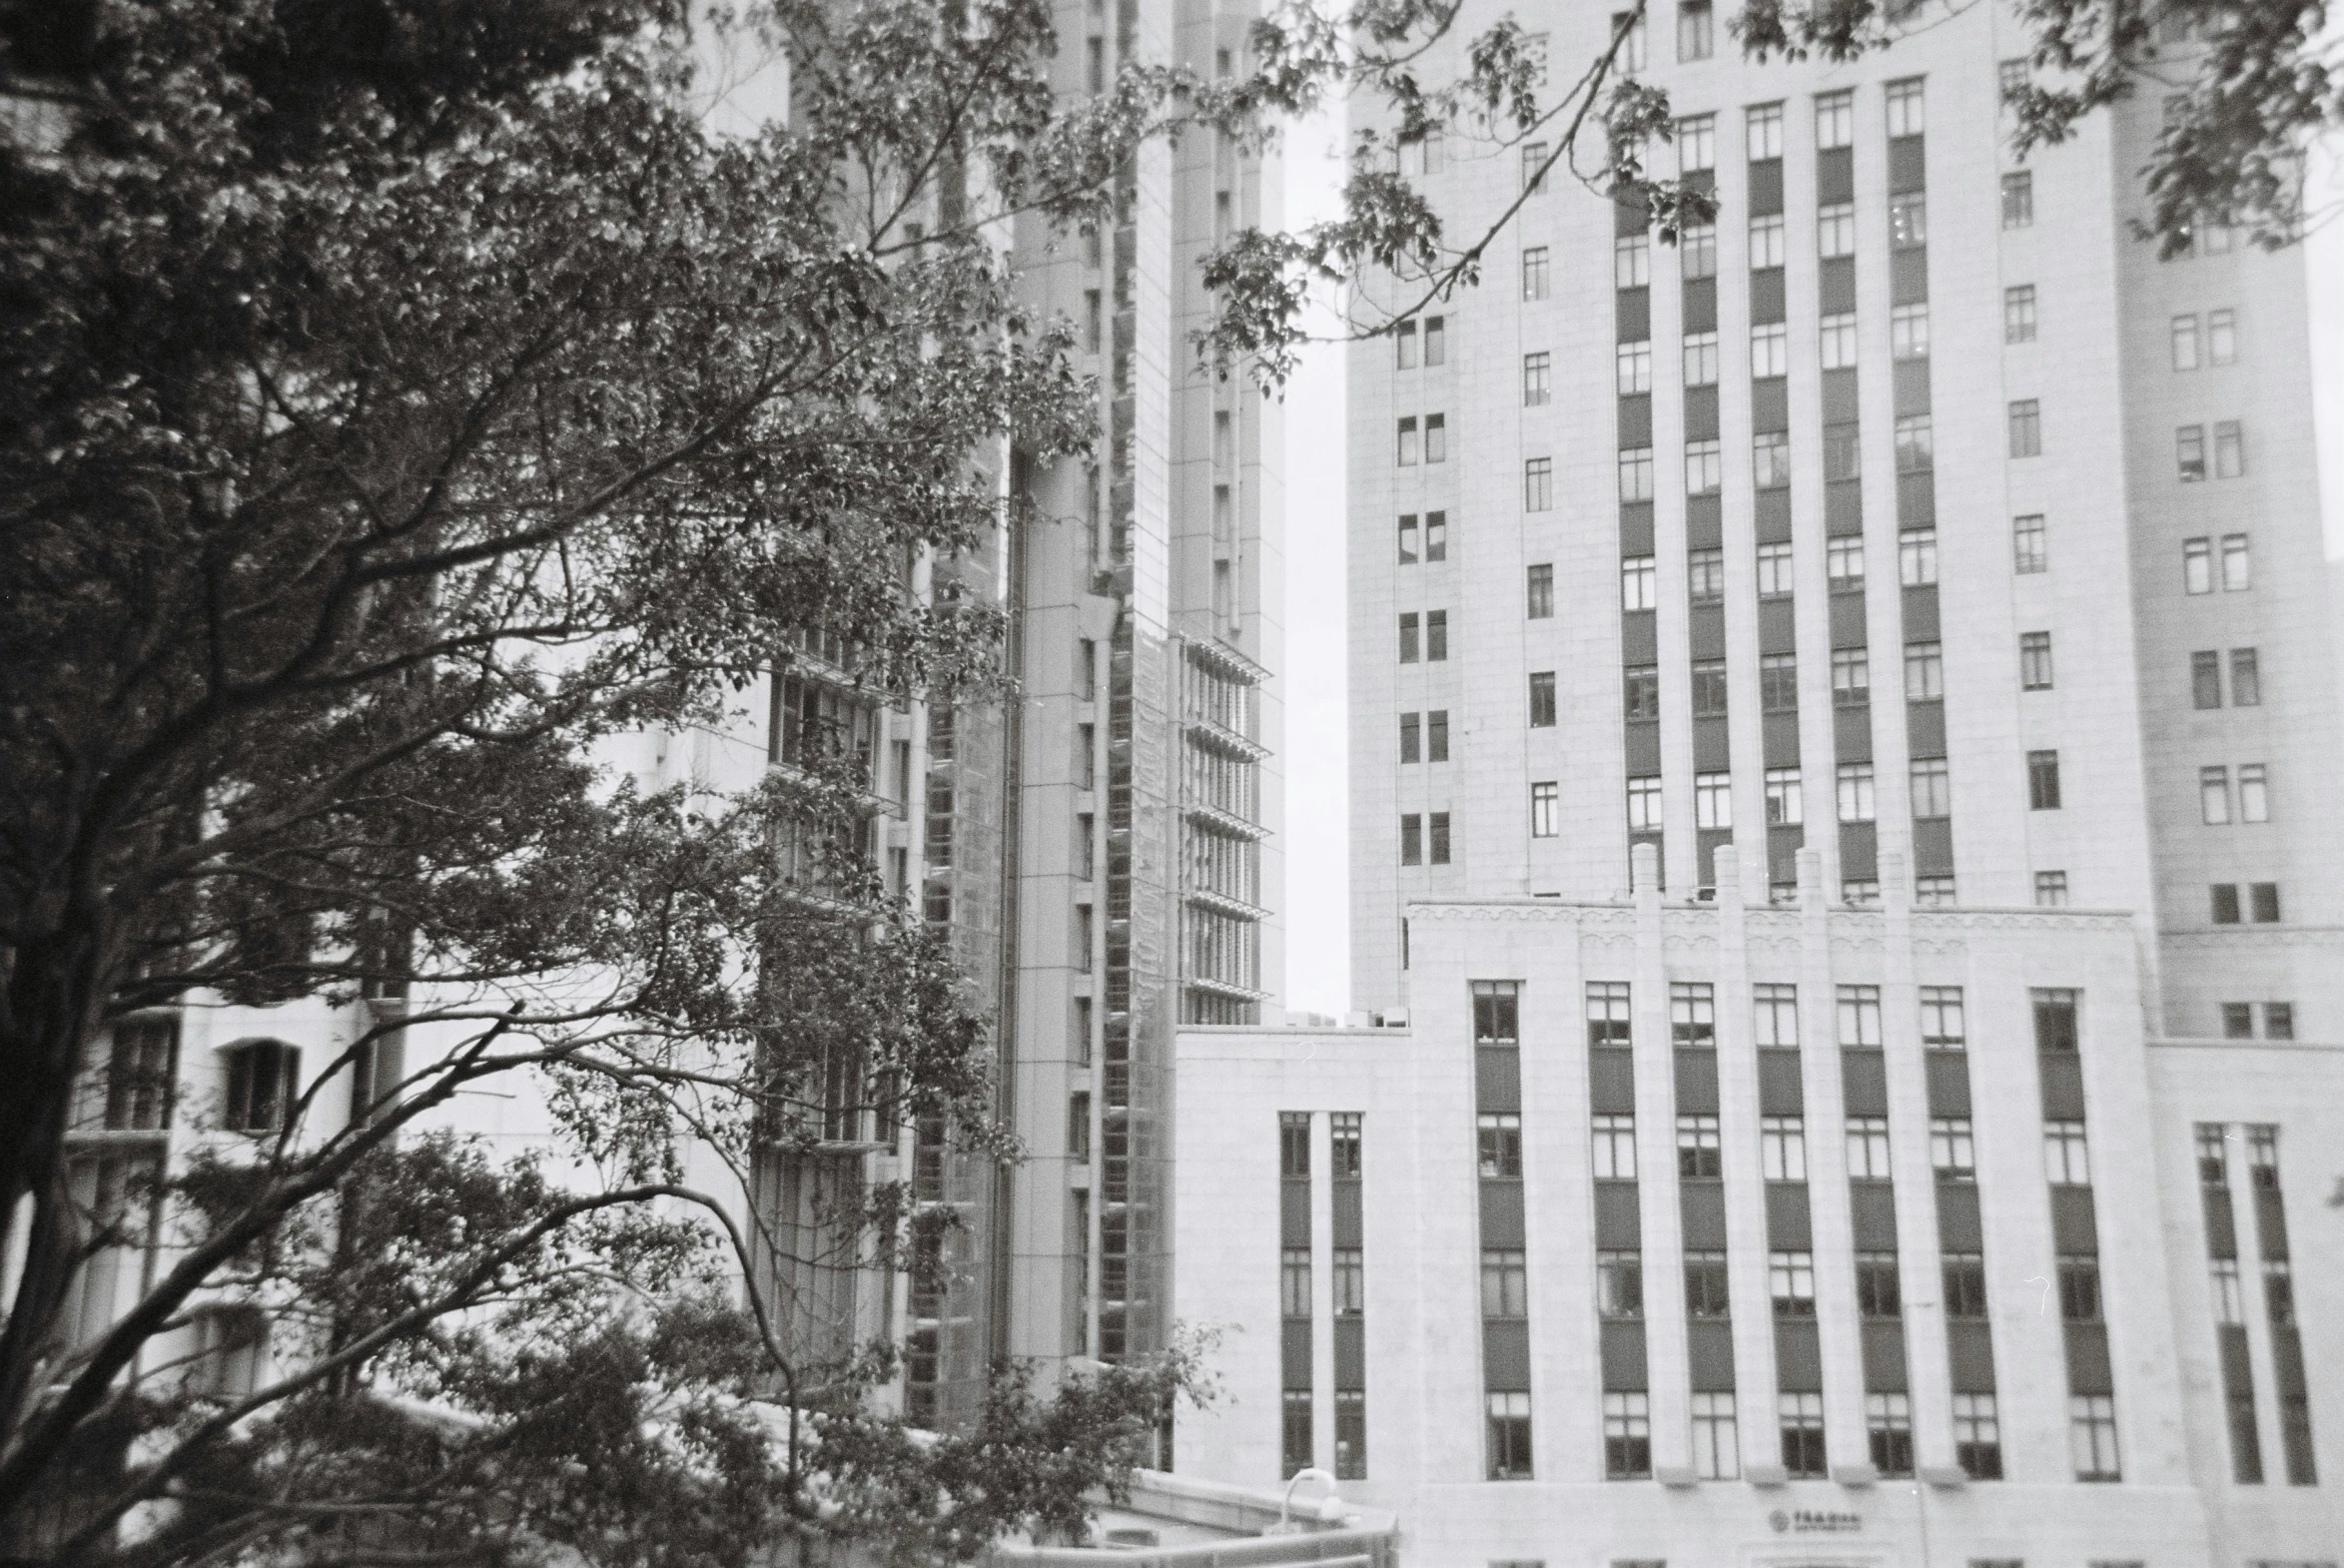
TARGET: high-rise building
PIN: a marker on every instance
(1836, 704)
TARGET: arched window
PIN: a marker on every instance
(264, 1076)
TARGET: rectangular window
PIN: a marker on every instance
(1508, 1422)
(1642, 683)
(2226, 908)
(2221, 338)
(2197, 565)
(2042, 780)
(1294, 1407)
(1295, 1283)
(1915, 444)
(1766, 247)
(2050, 890)
(2228, 1292)
(1534, 168)
(1706, 1293)
(1538, 380)
(1763, 131)
(1932, 789)
(2184, 340)
(2246, 686)
(1963, 1276)
(2229, 450)
(1868, 1148)
(1436, 735)
(1887, 1426)
(1842, 563)
(1908, 332)
(1627, 1417)
(1836, 337)
(1543, 823)
(2238, 565)
(1408, 540)
(1639, 583)
(1908, 221)
(1436, 437)
(1539, 593)
(1709, 688)
(1630, 60)
(2190, 452)
(1775, 1009)
(1615, 1147)
(1704, 576)
(1854, 792)
(2019, 314)
(2065, 1159)
(1697, 143)
(1801, 1415)
(1834, 120)
(2030, 543)
(1343, 1136)
(1859, 1016)
(1505, 1284)
(1409, 445)
(1542, 699)
(1770, 459)
(1834, 229)
(1782, 1149)
(1925, 671)
(1717, 1449)
(1713, 800)
(1411, 731)
(1619, 1284)
(2019, 199)
(1774, 574)
(1437, 339)
(2027, 427)
(2254, 793)
(1843, 451)
(1412, 839)
(1770, 350)
(1878, 1294)
(1534, 272)
(1701, 359)
(1633, 362)
(2034, 662)
(1408, 640)
(1978, 1435)
(1404, 342)
(1632, 260)
(1777, 682)
(1786, 800)
(2205, 678)
(1851, 678)
(1905, 107)
(1607, 1013)
(1436, 535)
(1943, 1025)
(1351, 1434)
(2263, 902)
(1539, 484)
(2091, 1437)
(1951, 1152)
(1436, 635)
(1437, 831)
(2213, 796)
(1501, 1147)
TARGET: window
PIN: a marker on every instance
(2238, 565)
(2213, 796)
(2190, 452)
(1408, 540)
(1915, 444)
(2019, 199)
(2264, 901)
(1697, 143)
(1908, 332)
(1642, 691)
(1925, 671)
(1851, 678)
(1534, 168)
(1701, 359)
(1409, 446)
(1538, 481)
(1698, 1157)
(1933, 788)
(2279, 1292)
(1619, 1284)
(1844, 563)
(1437, 339)
(2010, 79)
(1834, 120)
(1888, 1424)
(1773, 576)
(1411, 731)
(1412, 839)
(2184, 339)
(1775, 1009)
(1763, 131)
(1534, 272)
(1436, 735)
(2091, 1437)
(1543, 814)
(2050, 890)
(1639, 583)
(2213, 1156)
(1868, 1148)
(1697, 252)
(1408, 640)
(1643, 805)
(2197, 565)
(1785, 799)
(1505, 1284)
(1801, 1415)
(1501, 1147)
(1908, 221)
(1964, 1282)
(1905, 107)
(263, 1083)
(1508, 1420)
(1858, 1015)
(1632, 260)
(1709, 688)
(1791, 1282)
(1770, 459)
(2042, 780)
(2221, 338)
(1770, 350)
(1351, 1434)
(1836, 337)
(2027, 427)
(1630, 59)
(1436, 535)
(1295, 1283)
(1436, 635)
(1781, 1142)
(1951, 1154)
(2064, 1156)
(1436, 437)
(1704, 576)
(1943, 1025)
(1539, 593)
(1977, 1436)
(231, 1347)
(1405, 344)
(1438, 833)
(1497, 1012)
(2262, 1156)
(1627, 1417)
(1834, 229)
(1696, 32)
(2034, 662)
(1633, 362)
(2229, 450)
(1615, 1147)
(2254, 793)
(1713, 800)
(2225, 903)
(1538, 380)
(1778, 675)
(1343, 1129)
(1766, 247)
(2246, 689)
(1854, 792)
(2019, 314)
(2030, 543)
(1717, 1450)
(1705, 1286)
(140, 1076)
(1843, 451)
(2228, 1292)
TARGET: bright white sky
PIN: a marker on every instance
(1317, 892)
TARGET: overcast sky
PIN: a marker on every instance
(1318, 965)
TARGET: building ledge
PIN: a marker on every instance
(1225, 822)
(1220, 738)
(1224, 904)
(1224, 988)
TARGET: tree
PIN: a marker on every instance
(405, 401)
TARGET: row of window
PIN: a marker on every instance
(1774, 1009)
(1783, 1148)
